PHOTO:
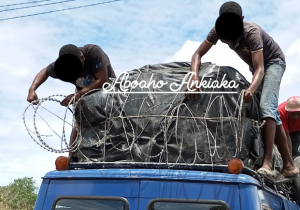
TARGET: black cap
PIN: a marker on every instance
(229, 24)
(232, 7)
(69, 49)
(68, 66)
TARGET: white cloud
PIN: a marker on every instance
(293, 50)
(292, 73)
(220, 54)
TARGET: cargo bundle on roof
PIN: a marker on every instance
(157, 123)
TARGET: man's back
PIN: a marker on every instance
(253, 39)
(95, 60)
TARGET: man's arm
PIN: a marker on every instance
(195, 65)
(196, 58)
(258, 64)
(39, 79)
(100, 78)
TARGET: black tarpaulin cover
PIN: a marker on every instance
(167, 127)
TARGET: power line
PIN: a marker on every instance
(88, 5)
(8, 5)
(36, 5)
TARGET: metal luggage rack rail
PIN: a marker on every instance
(152, 165)
(283, 189)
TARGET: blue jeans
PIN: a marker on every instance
(269, 89)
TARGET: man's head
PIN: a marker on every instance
(229, 24)
(69, 65)
(293, 107)
(232, 7)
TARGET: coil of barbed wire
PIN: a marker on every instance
(172, 113)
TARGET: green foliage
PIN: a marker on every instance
(19, 195)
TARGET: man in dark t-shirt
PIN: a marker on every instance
(94, 72)
(86, 67)
(95, 60)
(267, 64)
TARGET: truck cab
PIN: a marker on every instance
(152, 148)
(158, 187)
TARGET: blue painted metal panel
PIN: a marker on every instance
(189, 190)
(153, 174)
(42, 195)
(288, 205)
(117, 188)
(249, 197)
(139, 186)
(275, 202)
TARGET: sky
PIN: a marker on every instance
(133, 33)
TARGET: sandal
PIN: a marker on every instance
(281, 179)
(265, 172)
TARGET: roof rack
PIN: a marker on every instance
(283, 189)
(152, 165)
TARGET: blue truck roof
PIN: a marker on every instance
(197, 184)
(165, 174)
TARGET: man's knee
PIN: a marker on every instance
(269, 113)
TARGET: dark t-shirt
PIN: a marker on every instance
(252, 40)
(95, 61)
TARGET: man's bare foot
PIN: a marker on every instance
(290, 171)
(267, 166)
(266, 170)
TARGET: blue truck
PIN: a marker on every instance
(153, 151)
(146, 186)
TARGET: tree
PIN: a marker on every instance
(3, 196)
(19, 195)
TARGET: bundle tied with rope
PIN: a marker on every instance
(168, 128)
(158, 127)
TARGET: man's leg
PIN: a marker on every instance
(269, 130)
(268, 106)
(295, 141)
(289, 142)
(269, 112)
(72, 139)
(281, 141)
(73, 133)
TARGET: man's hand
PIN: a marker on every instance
(248, 96)
(39, 79)
(195, 66)
(193, 86)
(258, 64)
(32, 96)
(67, 100)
